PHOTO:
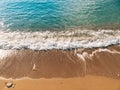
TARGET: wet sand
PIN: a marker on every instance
(78, 69)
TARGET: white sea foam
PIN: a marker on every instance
(59, 40)
(103, 50)
(4, 53)
(1, 24)
(82, 57)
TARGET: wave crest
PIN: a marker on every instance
(59, 40)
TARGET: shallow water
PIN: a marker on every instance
(40, 15)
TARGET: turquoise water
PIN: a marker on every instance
(59, 14)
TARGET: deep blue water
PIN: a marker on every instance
(59, 14)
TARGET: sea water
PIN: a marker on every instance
(53, 24)
(59, 14)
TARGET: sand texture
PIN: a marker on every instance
(78, 69)
(86, 83)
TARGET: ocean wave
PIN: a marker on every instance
(46, 40)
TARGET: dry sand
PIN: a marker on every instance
(81, 69)
(86, 83)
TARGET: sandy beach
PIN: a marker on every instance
(86, 83)
(59, 44)
(78, 69)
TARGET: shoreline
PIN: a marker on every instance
(58, 40)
